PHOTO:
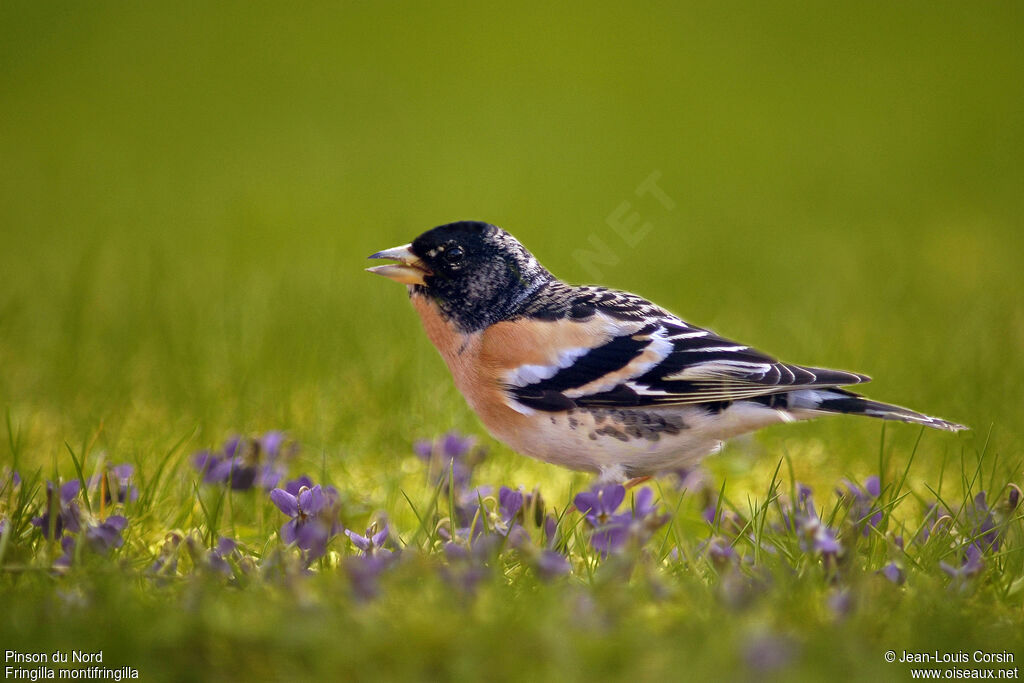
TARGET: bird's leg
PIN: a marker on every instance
(617, 475)
(636, 481)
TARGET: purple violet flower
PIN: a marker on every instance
(68, 514)
(721, 552)
(609, 539)
(166, 562)
(469, 519)
(971, 564)
(474, 519)
(306, 528)
(893, 573)
(510, 507)
(599, 504)
(10, 481)
(295, 485)
(551, 564)
(728, 521)
(840, 602)
(219, 555)
(981, 525)
(468, 561)
(643, 504)
(694, 480)
(465, 577)
(612, 530)
(67, 544)
(363, 572)
(373, 542)
(119, 488)
(804, 493)
(551, 535)
(768, 653)
(863, 503)
(452, 453)
(106, 535)
(245, 463)
(204, 461)
(933, 513)
(271, 442)
(510, 502)
(100, 538)
(817, 537)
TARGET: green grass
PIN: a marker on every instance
(186, 200)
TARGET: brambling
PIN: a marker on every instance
(596, 379)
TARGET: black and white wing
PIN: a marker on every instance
(640, 355)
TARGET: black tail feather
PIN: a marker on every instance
(842, 401)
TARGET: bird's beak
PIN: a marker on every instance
(409, 269)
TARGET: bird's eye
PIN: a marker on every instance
(454, 254)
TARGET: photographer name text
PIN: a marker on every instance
(957, 657)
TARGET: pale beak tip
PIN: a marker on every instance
(407, 275)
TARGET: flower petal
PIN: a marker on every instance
(271, 443)
(423, 449)
(510, 502)
(69, 490)
(117, 521)
(361, 542)
(295, 485)
(312, 537)
(643, 504)
(551, 564)
(288, 532)
(285, 502)
(231, 446)
(315, 502)
(225, 546)
(585, 502)
(455, 446)
(613, 496)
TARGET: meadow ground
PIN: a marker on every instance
(186, 200)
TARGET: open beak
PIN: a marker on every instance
(409, 269)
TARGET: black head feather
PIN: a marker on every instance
(480, 274)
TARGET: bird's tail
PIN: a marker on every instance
(834, 400)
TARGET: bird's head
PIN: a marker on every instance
(477, 273)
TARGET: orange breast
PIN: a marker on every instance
(476, 373)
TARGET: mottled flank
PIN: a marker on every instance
(611, 431)
(633, 424)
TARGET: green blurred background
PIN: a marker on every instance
(188, 193)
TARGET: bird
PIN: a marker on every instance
(597, 379)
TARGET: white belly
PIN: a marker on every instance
(636, 441)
